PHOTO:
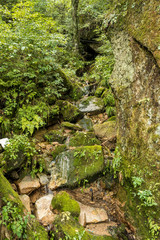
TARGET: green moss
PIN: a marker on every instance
(55, 136)
(80, 163)
(68, 111)
(75, 92)
(71, 126)
(87, 161)
(65, 225)
(64, 203)
(7, 192)
(113, 118)
(83, 139)
(86, 123)
(59, 149)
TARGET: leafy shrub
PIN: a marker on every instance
(19, 144)
(11, 217)
(29, 45)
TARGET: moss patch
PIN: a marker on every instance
(83, 139)
(68, 111)
(55, 136)
(71, 126)
(59, 149)
(65, 225)
(63, 202)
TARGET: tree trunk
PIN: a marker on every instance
(75, 24)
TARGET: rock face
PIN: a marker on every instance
(91, 105)
(75, 165)
(135, 81)
(28, 185)
(43, 211)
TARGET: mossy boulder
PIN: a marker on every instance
(86, 124)
(105, 130)
(58, 149)
(66, 226)
(83, 139)
(71, 126)
(55, 136)
(92, 105)
(68, 111)
(73, 88)
(63, 202)
(75, 165)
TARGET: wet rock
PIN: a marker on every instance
(69, 112)
(55, 136)
(92, 105)
(75, 165)
(86, 124)
(43, 179)
(83, 139)
(90, 215)
(26, 202)
(63, 202)
(28, 185)
(58, 150)
(43, 211)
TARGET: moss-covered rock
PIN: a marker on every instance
(68, 111)
(58, 149)
(71, 126)
(77, 164)
(74, 90)
(63, 202)
(65, 225)
(105, 130)
(83, 139)
(92, 105)
(86, 124)
(55, 136)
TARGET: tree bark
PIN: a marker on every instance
(75, 4)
